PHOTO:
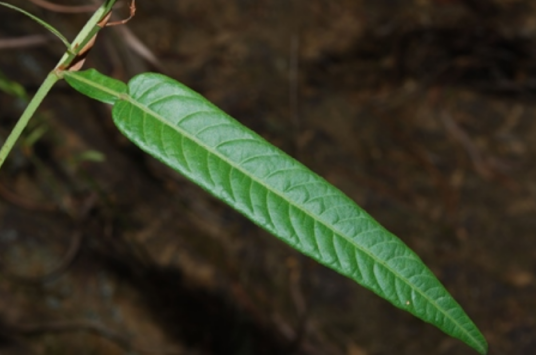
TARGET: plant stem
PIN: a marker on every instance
(89, 30)
(26, 115)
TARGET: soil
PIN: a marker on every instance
(422, 111)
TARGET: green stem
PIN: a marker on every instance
(26, 115)
(89, 30)
(86, 34)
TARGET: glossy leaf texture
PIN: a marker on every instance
(182, 129)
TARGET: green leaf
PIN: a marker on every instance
(182, 129)
(97, 86)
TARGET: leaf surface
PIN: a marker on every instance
(182, 129)
(97, 86)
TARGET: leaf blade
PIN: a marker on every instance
(97, 86)
(182, 129)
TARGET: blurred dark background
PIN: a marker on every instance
(422, 111)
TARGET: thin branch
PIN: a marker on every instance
(476, 156)
(138, 47)
(64, 8)
(24, 42)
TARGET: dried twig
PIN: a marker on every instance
(24, 42)
(72, 9)
(478, 160)
(138, 47)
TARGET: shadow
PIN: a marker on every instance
(197, 318)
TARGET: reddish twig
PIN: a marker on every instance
(132, 7)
